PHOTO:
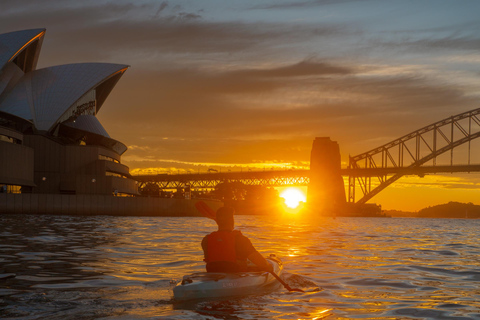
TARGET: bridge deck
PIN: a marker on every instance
(287, 177)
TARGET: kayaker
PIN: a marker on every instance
(227, 250)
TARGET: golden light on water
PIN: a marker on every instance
(293, 197)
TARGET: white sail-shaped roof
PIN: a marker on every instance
(51, 99)
(90, 130)
(13, 43)
(89, 123)
(46, 95)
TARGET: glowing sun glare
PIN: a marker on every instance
(293, 197)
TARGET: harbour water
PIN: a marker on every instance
(104, 267)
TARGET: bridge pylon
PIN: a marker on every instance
(326, 190)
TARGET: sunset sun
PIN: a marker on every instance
(293, 197)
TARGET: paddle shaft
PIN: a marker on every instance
(205, 210)
(284, 283)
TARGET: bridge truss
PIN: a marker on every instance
(273, 178)
(378, 168)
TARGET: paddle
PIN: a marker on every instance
(205, 210)
(284, 283)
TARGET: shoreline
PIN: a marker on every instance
(88, 205)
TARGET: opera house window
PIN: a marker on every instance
(102, 157)
(113, 174)
(9, 139)
(6, 188)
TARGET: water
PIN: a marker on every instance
(102, 267)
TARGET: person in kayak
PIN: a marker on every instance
(227, 250)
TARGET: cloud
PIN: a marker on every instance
(430, 44)
(308, 67)
(220, 151)
(434, 181)
(162, 6)
(303, 4)
(452, 42)
(242, 115)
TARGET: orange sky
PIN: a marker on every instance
(252, 83)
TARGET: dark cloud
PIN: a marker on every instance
(410, 43)
(305, 4)
(302, 68)
(452, 42)
(162, 6)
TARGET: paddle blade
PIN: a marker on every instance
(205, 210)
(284, 283)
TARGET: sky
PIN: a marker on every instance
(240, 83)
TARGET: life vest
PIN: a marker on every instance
(221, 246)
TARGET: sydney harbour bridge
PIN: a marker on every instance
(417, 153)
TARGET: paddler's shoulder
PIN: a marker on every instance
(237, 233)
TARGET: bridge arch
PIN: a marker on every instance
(412, 151)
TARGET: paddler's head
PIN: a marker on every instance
(224, 218)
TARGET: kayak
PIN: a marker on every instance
(202, 285)
(218, 284)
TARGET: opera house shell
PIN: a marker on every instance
(50, 139)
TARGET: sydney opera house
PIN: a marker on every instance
(55, 156)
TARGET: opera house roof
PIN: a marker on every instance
(53, 99)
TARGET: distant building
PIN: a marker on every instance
(50, 139)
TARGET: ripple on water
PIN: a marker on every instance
(125, 267)
(380, 283)
(447, 253)
(424, 313)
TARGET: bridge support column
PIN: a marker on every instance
(326, 190)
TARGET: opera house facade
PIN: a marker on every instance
(55, 156)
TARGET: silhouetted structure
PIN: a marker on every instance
(326, 191)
